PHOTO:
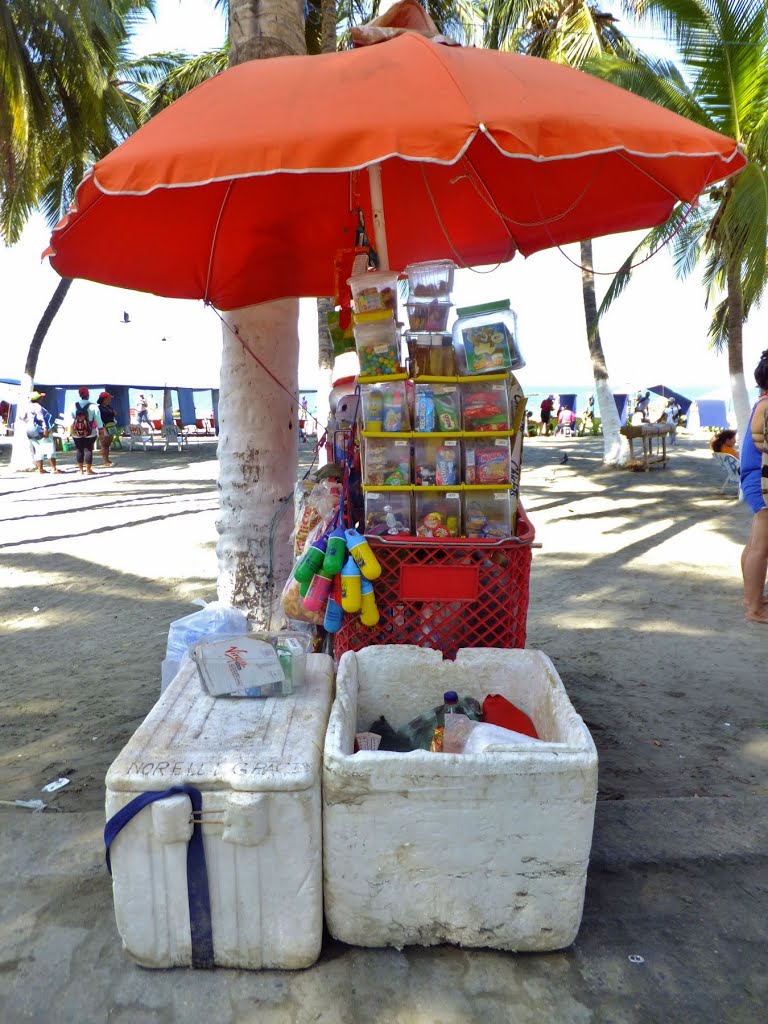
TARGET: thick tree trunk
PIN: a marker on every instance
(739, 393)
(258, 421)
(615, 445)
(21, 450)
(265, 28)
(258, 456)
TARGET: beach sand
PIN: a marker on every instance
(635, 595)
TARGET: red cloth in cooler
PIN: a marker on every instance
(499, 711)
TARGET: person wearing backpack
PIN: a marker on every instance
(84, 428)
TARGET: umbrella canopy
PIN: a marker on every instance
(241, 191)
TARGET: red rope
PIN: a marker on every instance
(264, 367)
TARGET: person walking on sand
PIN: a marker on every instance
(142, 412)
(85, 426)
(109, 422)
(754, 559)
(547, 408)
(39, 428)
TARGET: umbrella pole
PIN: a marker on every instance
(377, 209)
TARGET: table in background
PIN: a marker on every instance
(653, 440)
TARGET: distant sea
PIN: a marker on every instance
(583, 392)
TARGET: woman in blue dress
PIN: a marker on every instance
(754, 560)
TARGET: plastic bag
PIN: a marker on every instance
(213, 619)
(465, 736)
(319, 507)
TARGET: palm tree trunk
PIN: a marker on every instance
(21, 450)
(325, 360)
(739, 393)
(325, 354)
(258, 419)
(258, 456)
(615, 445)
(327, 26)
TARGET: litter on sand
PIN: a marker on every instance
(51, 787)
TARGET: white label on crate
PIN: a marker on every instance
(500, 495)
(452, 494)
(501, 442)
(375, 496)
(449, 443)
(401, 444)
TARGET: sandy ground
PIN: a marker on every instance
(635, 595)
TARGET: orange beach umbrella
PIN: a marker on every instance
(242, 190)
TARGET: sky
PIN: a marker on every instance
(655, 333)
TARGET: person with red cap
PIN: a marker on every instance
(109, 420)
(84, 428)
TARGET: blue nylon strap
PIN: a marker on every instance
(197, 874)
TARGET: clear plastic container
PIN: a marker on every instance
(437, 514)
(385, 407)
(487, 514)
(485, 339)
(378, 344)
(437, 408)
(386, 462)
(436, 463)
(388, 514)
(374, 291)
(430, 354)
(484, 406)
(431, 280)
(428, 314)
(253, 665)
(292, 648)
(487, 462)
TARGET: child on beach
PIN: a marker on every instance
(754, 560)
(725, 442)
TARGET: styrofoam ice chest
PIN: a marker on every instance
(256, 763)
(480, 850)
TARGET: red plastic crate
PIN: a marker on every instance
(447, 594)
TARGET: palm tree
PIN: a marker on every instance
(571, 32)
(724, 50)
(258, 413)
(67, 94)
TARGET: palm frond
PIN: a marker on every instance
(180, 75)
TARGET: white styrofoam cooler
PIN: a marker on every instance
(257, 765)
(480, 850)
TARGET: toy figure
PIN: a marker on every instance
(432, 526)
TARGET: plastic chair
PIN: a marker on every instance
(135, 437)
(172, 435)
(731, 467)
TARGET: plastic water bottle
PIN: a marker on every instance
(419, 733)
(450, 707)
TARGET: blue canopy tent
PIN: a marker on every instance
(665, 392)
(621, 406)
(712, 413)
(56, 400)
